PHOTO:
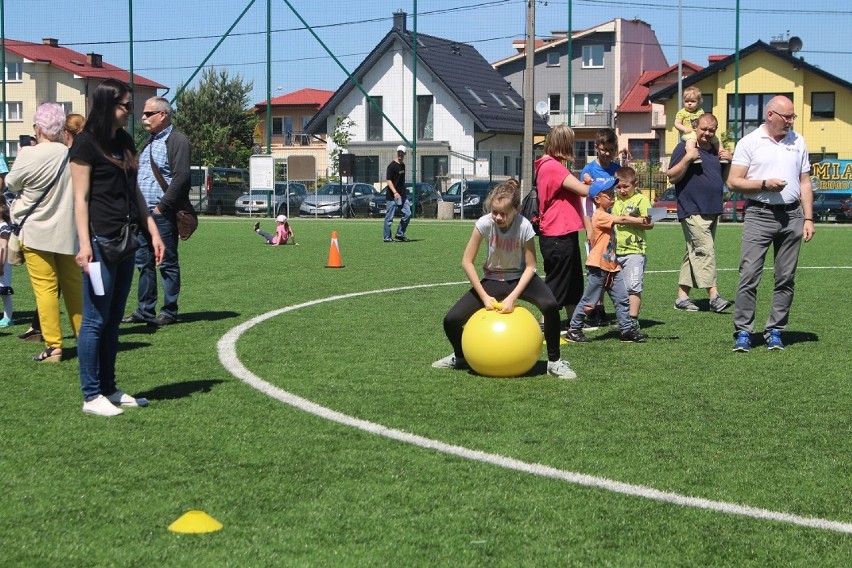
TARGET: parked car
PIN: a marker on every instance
(828, 204)
(336, 200)
(845, 213)
(668, 201)
(214, 190)
(728, 207)
(426, 200)
(474, 191)
(292, 192)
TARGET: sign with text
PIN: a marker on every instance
(261, 173)
(832, 175)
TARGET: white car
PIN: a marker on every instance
(258, 203)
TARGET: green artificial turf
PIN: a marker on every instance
(680, 413)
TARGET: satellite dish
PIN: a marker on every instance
(795, 44)
(541, 108)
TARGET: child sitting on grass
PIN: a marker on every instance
(283, 232)
(604, 273)
(509, 275)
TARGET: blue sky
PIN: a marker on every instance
(172, 37)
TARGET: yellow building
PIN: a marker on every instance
(822, 101)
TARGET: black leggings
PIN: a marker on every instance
(536, 293)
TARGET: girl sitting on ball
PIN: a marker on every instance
(509, 274)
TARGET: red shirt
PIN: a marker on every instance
(561, 210)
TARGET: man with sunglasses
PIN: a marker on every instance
(164, 179)
(771, 168)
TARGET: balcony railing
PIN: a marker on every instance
(296, 139)
(602, 119)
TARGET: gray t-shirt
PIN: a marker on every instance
(505, 260)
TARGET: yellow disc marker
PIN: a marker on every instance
(195, 522)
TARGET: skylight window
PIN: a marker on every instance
(496, 98)
(475, 96)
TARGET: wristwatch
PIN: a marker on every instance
(763, 185)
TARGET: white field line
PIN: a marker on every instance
(228, 357)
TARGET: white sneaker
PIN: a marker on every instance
(100, 406)
(450, 362)
(560, 369)
(120, 398)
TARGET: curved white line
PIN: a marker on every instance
(228, 356)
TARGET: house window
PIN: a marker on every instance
(425, 105)
(374, 119)
(14, 72)
(584, 105)
(707, 102)
(584, 151)
(554, 100)
(593, 56)
(822, 105)
(553, 59)
(12, 149)
(752, 112)
(367, 169)
(67, 108)
(277, 125)
(15, 111)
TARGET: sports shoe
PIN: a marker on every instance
(388, 240)
(133, 318)
(632, 335)
(120, 398)
(742, 341)
(100, 406)
(257, 226)
(560, 369)
(773, 339)
(450, 362)
(576, 336)
(6, 322)
(402, 238)
(686, 305)
(162, 320)
(719, 304)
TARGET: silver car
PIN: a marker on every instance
(285, 192)
(336, 200)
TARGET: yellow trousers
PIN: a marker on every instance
(50, 272)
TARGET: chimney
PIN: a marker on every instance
(399, 21)
(51, 41)
(95, 59)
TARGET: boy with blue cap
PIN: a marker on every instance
(604, 272)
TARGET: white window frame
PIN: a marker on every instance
(16, 113)
(589, 56)
(16, 77)
(554, 98)
(12, 148)
(67, 107)
(553, 59)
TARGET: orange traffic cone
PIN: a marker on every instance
(334, 253)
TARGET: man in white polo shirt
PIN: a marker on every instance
(770, 166)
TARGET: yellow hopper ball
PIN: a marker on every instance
(502, 345)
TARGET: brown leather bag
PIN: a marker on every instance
(185, 215)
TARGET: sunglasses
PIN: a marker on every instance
(150, 113)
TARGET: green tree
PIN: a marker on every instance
(341, 135)
(217, 118)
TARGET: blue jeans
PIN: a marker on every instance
(97, 344)
(596, 283)
(403, 224)
(169, 270)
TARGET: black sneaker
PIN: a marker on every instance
(162, 320)
(133, 318)
(257, 226)
(633, 335)
(576, 336)
(401, 238)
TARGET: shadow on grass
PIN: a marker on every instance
(206, 316)
(179, 390)
(791, 337)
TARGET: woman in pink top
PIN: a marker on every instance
(560, 205)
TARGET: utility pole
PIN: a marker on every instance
(527, 145)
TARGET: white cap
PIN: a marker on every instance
(400, 148)
(281, 218)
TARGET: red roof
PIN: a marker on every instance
(74, 62)
(637, 99)
(303, 97)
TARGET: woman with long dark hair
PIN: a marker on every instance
(106, 198)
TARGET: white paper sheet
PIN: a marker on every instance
(96, 279)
